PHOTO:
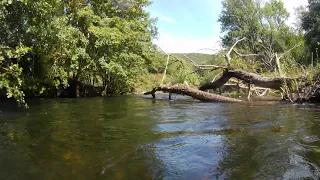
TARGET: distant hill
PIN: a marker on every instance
(197, 57)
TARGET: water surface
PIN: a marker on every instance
(137, 138)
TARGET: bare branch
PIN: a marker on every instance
(285, 88)
(193, 62)
(295, 46)
(279, 65)
(215, 77)
(86, 67)
(279, 57)
(249, 92)
(206, 49)
(227, 56)
(165, 71)
(263, 93)
(162, 50)
(208, 66)
(212, 68)
(244, 55)
(211, 49)
(201, 66)
(194, 72)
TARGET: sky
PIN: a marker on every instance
(187, 26)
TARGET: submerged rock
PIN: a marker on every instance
(276, 128)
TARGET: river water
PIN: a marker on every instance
(139, 138)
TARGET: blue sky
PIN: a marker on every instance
(190, 25)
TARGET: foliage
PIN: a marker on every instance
(240, 18)
(263, 25)
(310, 21)
(10, 72)
(46, 44)
(53, 42)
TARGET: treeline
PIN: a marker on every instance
(46, 44)
(106, 46)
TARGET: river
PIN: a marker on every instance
(135, 137)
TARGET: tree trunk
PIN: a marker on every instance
(74, 89)
(194, 93)
(250, 78)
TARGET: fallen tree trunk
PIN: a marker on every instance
(194, 93)
(250, 78)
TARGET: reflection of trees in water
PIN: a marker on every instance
(12, 155)
(263, 148)
(239, 161)
(309, 141)
(82, 139)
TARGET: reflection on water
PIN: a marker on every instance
(138, 138)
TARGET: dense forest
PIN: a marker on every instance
(73, 48)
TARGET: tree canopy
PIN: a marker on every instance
(50, 45)
(264, 26)
(310, 20)
(45, 43)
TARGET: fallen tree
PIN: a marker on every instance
(247, 77)
(281, 83)
(194, 93)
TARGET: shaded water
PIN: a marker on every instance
(138, 138)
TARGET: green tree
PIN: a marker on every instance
(263, 24)
(75, 41)
(310, 23)
(240, 18)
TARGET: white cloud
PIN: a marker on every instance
(174, 44)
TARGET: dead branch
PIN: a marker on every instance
(295, 46)
(201, 66)
(278, 65)
(194, 93)
(165, 71)
(263, 93)
(192, 62)
(247, 77)
(244, 55)
(215, 77)
(228, 56)
(249, 91)
(285, 88)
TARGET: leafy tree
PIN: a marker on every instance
(10, 72)
(263, 24)
(240, 18)
(310, 23)
(79, 40)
